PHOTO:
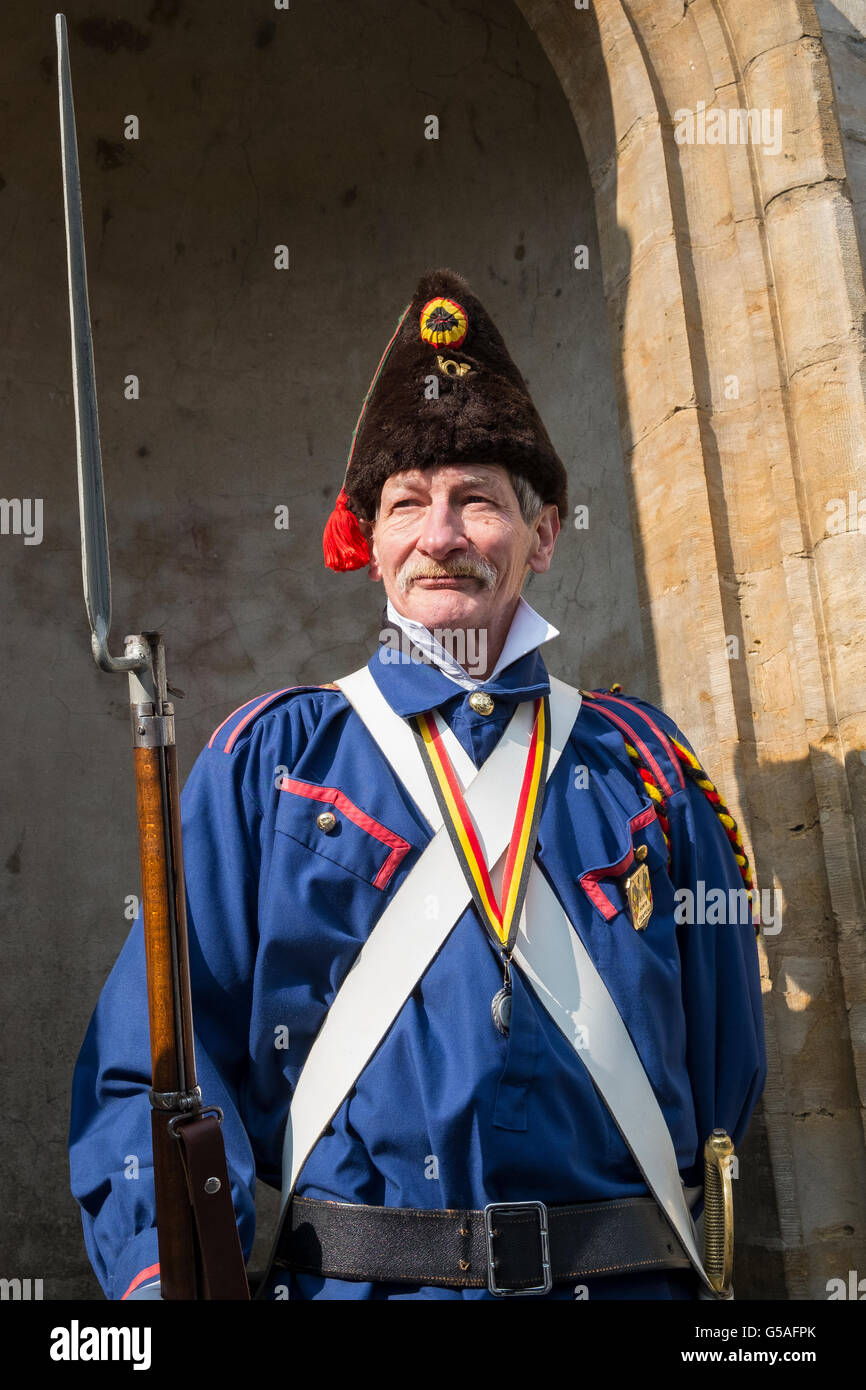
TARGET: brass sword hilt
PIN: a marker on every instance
(719, 1211)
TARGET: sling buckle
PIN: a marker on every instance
(511, 1235)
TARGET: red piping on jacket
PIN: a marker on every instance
(251, 715)
(590, 880)
(399, 847)
(140, 1278)
(663, 782)
(665, 741)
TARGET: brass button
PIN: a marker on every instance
(326, 821)
(640, 852)
(481, 702)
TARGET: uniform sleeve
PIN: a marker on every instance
(111, 1162)
(720, 972)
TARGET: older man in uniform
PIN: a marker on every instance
(441, 989)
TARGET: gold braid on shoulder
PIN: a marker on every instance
(693, 768)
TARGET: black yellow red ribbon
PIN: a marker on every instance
(501, 920)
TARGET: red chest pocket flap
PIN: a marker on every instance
(325, 820)
(605, 884)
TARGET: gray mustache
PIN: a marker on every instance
(481, 570)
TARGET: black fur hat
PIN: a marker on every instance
(476, 409)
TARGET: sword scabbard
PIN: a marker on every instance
(719, 1212)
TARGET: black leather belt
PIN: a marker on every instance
(509, 1247)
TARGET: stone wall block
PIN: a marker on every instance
(633, 210)
(796, 80)
(756, 28)
(819, 285)
(648, 324)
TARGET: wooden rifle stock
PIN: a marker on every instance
(199, 1248)
(174, 1219)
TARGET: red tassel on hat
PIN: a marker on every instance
(343, 543)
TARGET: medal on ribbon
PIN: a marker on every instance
(501, 919)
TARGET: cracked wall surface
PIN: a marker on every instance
(289, 129)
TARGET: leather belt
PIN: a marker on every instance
(509, 1247)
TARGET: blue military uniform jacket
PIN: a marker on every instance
(448, 1113)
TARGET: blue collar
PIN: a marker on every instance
(411, 684)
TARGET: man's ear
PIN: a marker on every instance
(366, 529)
(546, 531)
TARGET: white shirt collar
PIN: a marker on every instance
(528, 630)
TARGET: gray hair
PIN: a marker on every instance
(529, 500)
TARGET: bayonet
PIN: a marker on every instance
(199, 1249)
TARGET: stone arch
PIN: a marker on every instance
(734, 289)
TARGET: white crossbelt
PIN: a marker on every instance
(549, 951)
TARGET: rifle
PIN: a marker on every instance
(200, 1253)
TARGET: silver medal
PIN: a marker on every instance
(500, 1008)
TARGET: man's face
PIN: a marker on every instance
(451, 547)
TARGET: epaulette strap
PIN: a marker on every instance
(654, 792)
(226, 735)
(653, 779)
(692, 767)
